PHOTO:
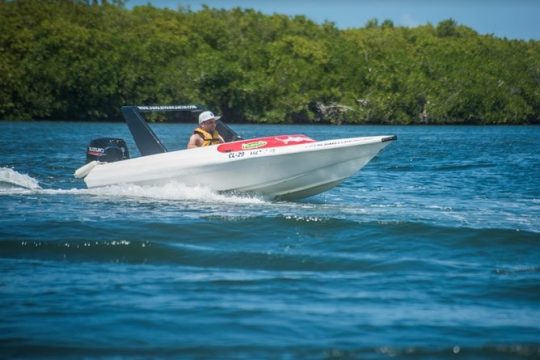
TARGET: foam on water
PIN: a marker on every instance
(13, 182)
(470, 213)
(173, 191)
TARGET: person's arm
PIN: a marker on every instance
(195, 141)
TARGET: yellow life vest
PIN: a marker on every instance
(208, 139)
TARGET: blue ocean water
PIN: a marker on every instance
(431, 251)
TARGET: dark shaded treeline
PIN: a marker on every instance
(82, 60)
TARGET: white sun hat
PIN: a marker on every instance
(207, 115)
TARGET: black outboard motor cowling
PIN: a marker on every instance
(107, 150)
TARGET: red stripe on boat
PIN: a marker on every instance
(265, 142)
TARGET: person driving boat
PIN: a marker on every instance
(206, 134)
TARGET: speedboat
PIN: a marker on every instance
(277, 167)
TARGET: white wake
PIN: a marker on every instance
(13, 182)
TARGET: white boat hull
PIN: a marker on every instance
(294, 170)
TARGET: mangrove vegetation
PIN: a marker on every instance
(83, 60)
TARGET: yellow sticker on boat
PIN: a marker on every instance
(253, 145)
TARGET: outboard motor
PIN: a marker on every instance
(107, 150)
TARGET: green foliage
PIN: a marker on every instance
(447, 28)
(83, 60)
